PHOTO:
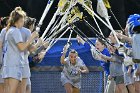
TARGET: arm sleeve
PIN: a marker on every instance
(106, 52)
(28, 34)
(17, 36)
(2, 35)
(81, 63)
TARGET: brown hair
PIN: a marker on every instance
(4, 21)
(15, 15)
(101, 41)
(29, 21)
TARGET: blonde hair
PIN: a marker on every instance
(15, 15)
(73, 51)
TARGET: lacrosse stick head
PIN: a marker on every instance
(63, 5)
(74, 15)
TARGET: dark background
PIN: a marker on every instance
(34, 8)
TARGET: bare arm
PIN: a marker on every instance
(38, 47)
(64, 54)
(23, 46)
(107, 58)
(124, 37)
(84, 69)
(80, 40)
(63, 59)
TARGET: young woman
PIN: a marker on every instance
(26, 33)
(71, 74)
(29, 23)
(133, 28)
(13, 48)
(3, 25)
(134, 40)
(1, 62)
(116, 71)
(127, 70)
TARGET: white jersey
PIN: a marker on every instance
(71, 71)
(136, 46)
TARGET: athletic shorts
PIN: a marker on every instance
(15, 72)
(119, 79)
(29, 82)
(66, 80)
(26, 71)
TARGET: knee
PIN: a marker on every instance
(69, 91)
(131, 88)
(68, 88)
(76, 90)
(28, 89)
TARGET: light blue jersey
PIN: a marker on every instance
(12, 55)
(136, 46)
(26, 33)
(2, 36)
(13, 60)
